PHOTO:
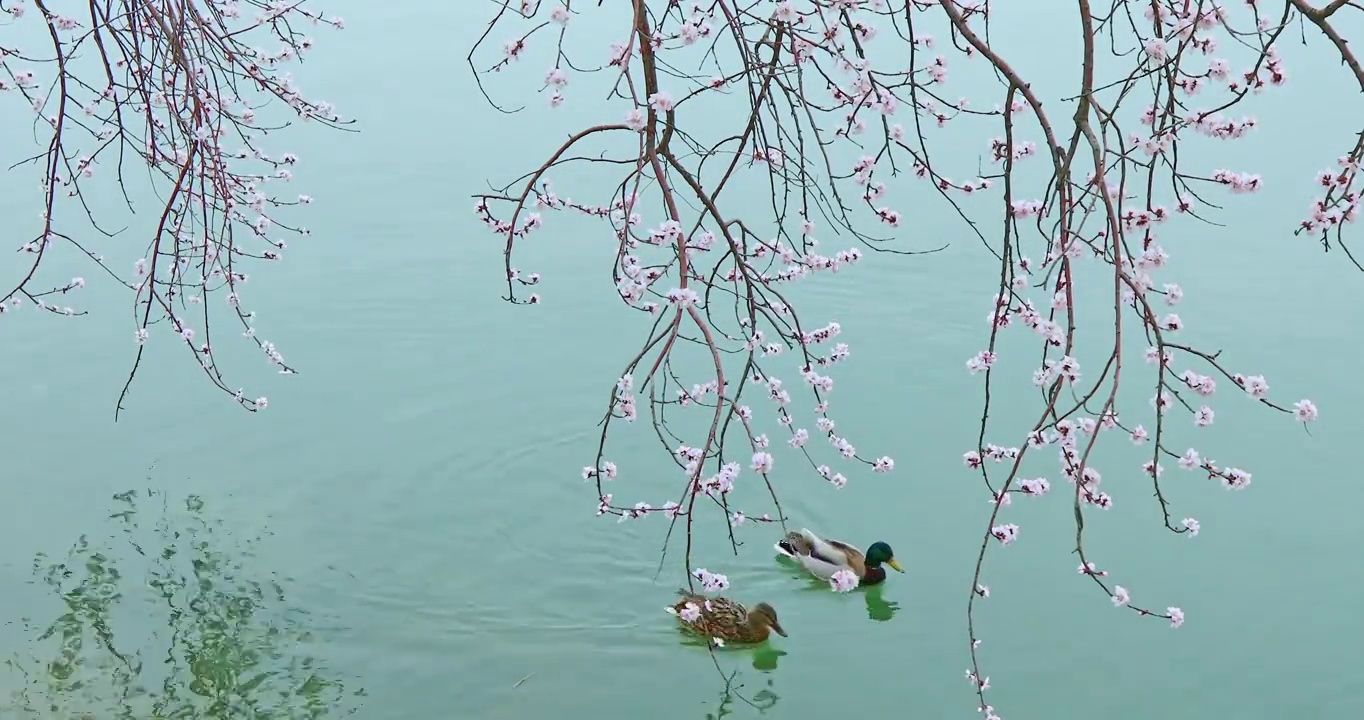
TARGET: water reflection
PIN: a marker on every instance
(167, 620)
(764, 655)
(731, 699)
(878, 608)
(765, 658)
(733, 696)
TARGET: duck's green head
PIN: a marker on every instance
(880, 553)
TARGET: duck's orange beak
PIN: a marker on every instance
(891, 562)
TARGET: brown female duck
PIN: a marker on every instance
(720, 617)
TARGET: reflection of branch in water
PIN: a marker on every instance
(219, 642)
(765, 659)
(762, 701)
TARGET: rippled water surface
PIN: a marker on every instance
(404, 533)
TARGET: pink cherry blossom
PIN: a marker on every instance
(983, 360)
(1005, 534)
(661, 101)
(843, 581)
(1203, 416)
(711, 582)
(1305, 410)
(1034, 486)
(1120, 595)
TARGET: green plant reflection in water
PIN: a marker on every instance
(208, 640)
(878, 608)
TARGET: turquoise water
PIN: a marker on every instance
(416, 491)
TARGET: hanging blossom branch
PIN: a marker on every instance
(1109, 219)
(175, 86)
(825, 82)
(703, 267)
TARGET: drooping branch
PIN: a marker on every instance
(178, 88)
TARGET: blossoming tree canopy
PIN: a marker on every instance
(830, 100)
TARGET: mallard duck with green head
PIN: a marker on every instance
(822, 558)
(720, 617)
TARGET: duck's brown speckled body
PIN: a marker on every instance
(726, 619)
